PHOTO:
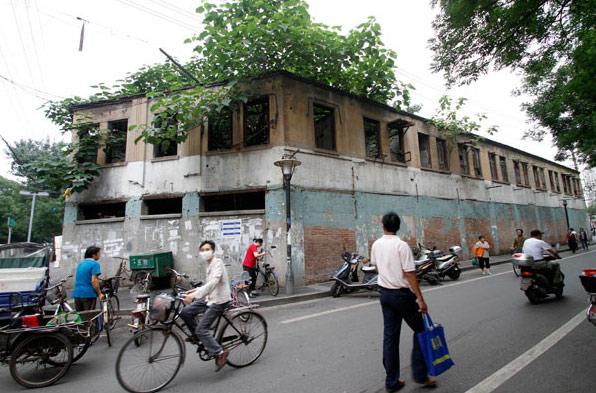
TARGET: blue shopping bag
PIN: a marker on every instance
(434, 347)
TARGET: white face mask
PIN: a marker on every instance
(206, 255)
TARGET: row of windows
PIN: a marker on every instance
(252, 200)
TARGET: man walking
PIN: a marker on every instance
(400, 299)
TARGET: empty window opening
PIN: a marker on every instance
(442, 155)
(551, 180)
(517, 173)
(492, 160)
(424, 147)
(220, 131)
(371, 137)
(88, 143)
(397, 147)
(153, 206)
(167, 146)
(476, 162)
(503, 164)
(256, 122)
(115, 147)
(102, 210)
(542, 178)
(464, 164)
(536, 176)
(525, 170)
(254, 200)
(324, 119)
(557, 184)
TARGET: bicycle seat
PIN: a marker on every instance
(196, 284)
(143, 296)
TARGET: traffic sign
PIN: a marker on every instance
(11, 222)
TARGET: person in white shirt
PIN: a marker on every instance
(536, 247)
(212, 299)
(401, 298)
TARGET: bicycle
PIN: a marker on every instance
(152, 365)
(239, 289)
(267, 278)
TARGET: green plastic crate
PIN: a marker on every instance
(156, 262)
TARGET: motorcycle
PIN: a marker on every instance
(588, 280)
(447, 265)
(537, 279)
(426, 270)
(346, 277)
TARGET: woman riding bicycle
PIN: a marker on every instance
(211, 299)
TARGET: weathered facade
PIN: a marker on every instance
(359, 158)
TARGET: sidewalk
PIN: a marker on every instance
(309, 292)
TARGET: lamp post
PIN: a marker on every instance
(34, 194)
(288, 165)
(566, 214)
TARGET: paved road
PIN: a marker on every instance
(334, 345)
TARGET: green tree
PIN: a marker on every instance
(47, 218)
(242, 39)
(592, 209)
(550, 41)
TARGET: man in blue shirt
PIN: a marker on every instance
(86, 290)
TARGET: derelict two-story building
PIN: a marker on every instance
(359, 158)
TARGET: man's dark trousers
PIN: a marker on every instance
(398, 304)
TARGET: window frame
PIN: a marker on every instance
(216, 120)
(376, 134)
(426, 142)
(401, 142)
(108, 150)
(333, 131)
(492, 162)
(464, 159)
(266, 114)
(443, 153)
(503, 167)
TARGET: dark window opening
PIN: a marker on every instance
(254, 200)
(324, 119)
(443, 157)
(88, 143)
(163, 206)
(220, 131)
(166, 146)
(503, 164)
(102, 210)
(517, 173)
(464, 164)
(256, 122)
(526, 174)
(424, 147)
(557, 184)
(551, 180)
(536, 176)
(492, 160)
(396, 142)
(542, 178)
(371, 138)
(115, 148)
(476, 162)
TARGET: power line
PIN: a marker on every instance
(178, 10)
(30, 90)
(149, 11)
(16, 21)
(34, 46)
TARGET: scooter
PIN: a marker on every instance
(537, 279)
(346, 277)
(447, 265)
(425, 270)
(588, 280)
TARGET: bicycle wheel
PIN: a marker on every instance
(105, 307)
(261, 282)
(242, 298)
(41, 359)
(272, 284)
(151, 366)
(245, 337)
(114, 305)
(516, 269)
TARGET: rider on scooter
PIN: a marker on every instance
(535, 247)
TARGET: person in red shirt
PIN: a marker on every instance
(250, 263)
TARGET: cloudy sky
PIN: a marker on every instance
(40, 58)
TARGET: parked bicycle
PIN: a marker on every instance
(267, 278)
(239, 287)
(154, 363)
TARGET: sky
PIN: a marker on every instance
(40, 58)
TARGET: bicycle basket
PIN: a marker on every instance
(109, 285)
(161, 307)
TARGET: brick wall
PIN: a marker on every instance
(323, 247)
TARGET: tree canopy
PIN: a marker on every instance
(552, 42)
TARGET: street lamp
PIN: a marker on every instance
(288, 164)
(34, 194)
(566, 214)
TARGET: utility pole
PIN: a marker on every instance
(34, 195)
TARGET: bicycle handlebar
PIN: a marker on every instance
(59, 283)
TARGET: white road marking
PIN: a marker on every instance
(501, 376)
(309, 316)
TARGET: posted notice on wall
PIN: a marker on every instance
(231, 229)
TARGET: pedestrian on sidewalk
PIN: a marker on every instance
(250, 264)
(481, 251)
(86, 290)
(210, 299)
(401, 298)
(583, 238)
(571, 240)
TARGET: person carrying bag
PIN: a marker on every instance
(434, 347)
